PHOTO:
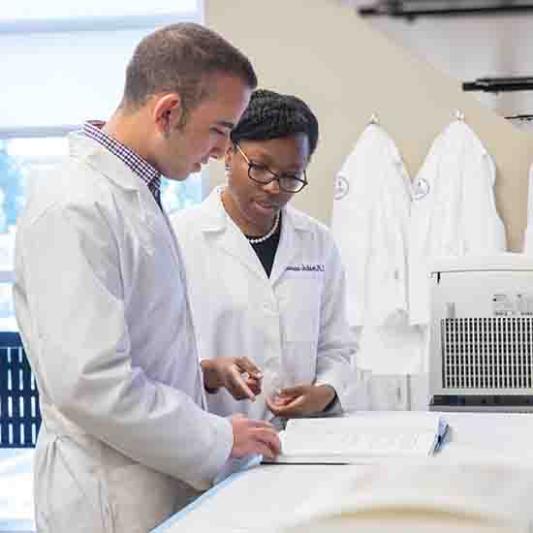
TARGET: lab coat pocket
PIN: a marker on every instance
(143, 498)
(299, 298)
(66, 486)
(300, 303)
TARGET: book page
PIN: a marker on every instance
(369, 434)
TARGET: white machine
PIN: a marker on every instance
(481, 338)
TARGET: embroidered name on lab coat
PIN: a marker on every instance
(306, 268)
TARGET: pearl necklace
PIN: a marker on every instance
(257, 240)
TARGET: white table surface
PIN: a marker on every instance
(267, 495)
(254, 497)
(16, 489)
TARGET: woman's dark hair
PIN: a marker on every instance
(271, 115)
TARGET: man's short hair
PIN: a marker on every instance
(181, 58)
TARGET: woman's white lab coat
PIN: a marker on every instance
(104, 318)
(292, 324)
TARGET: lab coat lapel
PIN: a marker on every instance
(152, 218)
(228, 237)
(157, 220)
(233, 242)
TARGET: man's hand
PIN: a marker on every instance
(301, 400)
(239, 375)
(254, 436)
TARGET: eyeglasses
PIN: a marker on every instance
(262, 174)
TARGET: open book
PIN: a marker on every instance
(362, 437)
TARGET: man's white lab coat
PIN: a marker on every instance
(292, 324)
(103, 313)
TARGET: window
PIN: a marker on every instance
(21, 161)
(65, 63)
(66, 9)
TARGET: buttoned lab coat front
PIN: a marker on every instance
(370, 223)
(103, 313)
(457, 215)
(292, 324)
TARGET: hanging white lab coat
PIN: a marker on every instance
(453, 211)
(103, 313)
(369, 224)
(292, 324)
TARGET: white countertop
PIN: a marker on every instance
(265, 496)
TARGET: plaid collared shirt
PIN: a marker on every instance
(135, 162)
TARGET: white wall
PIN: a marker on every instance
(470, 47)
(347, 70)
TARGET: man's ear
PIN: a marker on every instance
(167, 112)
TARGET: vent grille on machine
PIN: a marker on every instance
(487, 353)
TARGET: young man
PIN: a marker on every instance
(101, 302)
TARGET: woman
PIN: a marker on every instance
(265, 282)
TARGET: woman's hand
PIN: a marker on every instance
(239, 375)
(301, 400)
